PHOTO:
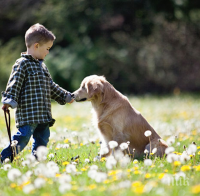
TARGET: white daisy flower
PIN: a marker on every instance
(113, 144)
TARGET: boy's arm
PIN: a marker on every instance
(59, 94)
(11, 94)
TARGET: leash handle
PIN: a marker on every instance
(7, 111)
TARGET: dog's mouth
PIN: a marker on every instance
(84, 99)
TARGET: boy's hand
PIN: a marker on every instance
(5, 107)
(71, 101)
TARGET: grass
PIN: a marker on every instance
(171, 116)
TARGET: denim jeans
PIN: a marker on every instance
(40, 132)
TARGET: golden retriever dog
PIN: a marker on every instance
(117, 120)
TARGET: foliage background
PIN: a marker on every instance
(140, 46)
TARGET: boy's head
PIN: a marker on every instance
(38, 34)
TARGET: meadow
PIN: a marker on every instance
(69, 166)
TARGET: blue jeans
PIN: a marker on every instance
(40, 132)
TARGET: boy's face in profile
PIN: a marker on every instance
(41, 50)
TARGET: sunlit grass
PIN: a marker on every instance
(74, 136)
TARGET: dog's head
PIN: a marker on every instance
(92, 87)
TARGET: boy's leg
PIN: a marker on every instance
(22, 136)
(40, 136)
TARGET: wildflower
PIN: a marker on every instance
(7, 160)
(128, 142)
(196, 189)
(26, 163)
(123, 146)
(169, 150)
(135, 161)
(148, 162)
(31, 158)
(124, 184)
(71, 169)
(184, 157)
(125, 161)
(94, 167)
(51, 155)
(113, 144)
(28, 188)
(100, 177)
(92, 173)
(87, 160)
(13, 174)
(172, 157)
(177, 163)
(185, 168)
(110, 162)
(170, 140)
(154, 150)
(42, 153)
(64, 187)
(65, 146)
(65, 163)
(146, 151)
(14, 143)
(147, 133)
(147, 175)
(192, 149)
(39, 183)
(6, 167)
(64, 179)
(104, 151)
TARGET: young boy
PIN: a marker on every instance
(30, 89)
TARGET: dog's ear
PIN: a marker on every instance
(93, 88)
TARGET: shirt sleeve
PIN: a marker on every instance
(59, 94)
(15, 83)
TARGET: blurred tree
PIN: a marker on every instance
(139, 45)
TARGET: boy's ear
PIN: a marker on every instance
(36, 45)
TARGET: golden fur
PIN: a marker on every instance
(116, 119)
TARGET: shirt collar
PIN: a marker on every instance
(28, 56)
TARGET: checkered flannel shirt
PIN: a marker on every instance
(30, 85)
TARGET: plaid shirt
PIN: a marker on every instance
(30, 85)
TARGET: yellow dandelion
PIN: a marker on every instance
(114, 178)
(112, 172)
(185, 168)
(57, 175)
(166, 170)
(147, 175)
(160, 176)
(128, 170)
(136, 168)
(66, 140)
(197, 167)
(139, 189)
(103, 159)
(83, 169)
(153, 166)
(198, 153)
(135, 161)
(137, 172)
(106, 181)
(136, 184)
(13, 185)
(198, 147)
(92, 186)
(177, 163)
(65, 163)
(81, 144)
(194, 132)
(196, 189)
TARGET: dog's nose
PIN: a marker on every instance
(73, 96)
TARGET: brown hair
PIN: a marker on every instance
(38, 34)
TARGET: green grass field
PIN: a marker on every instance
(175, 118)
